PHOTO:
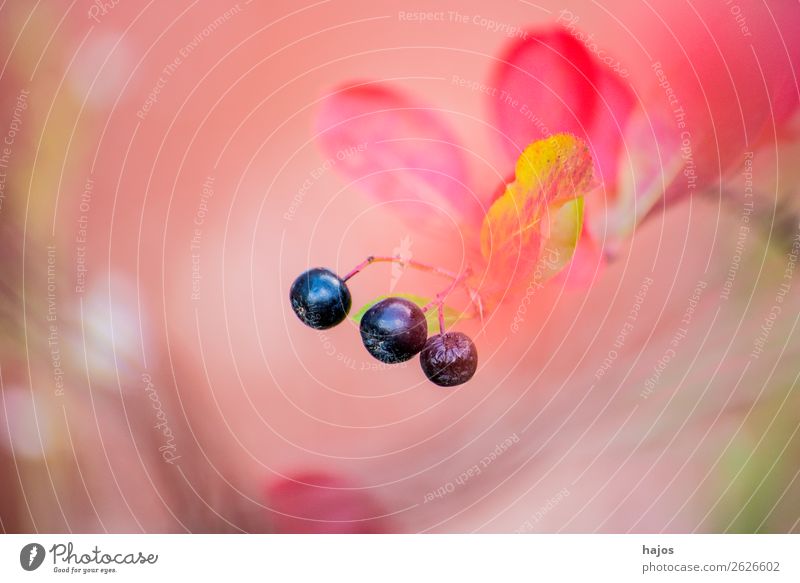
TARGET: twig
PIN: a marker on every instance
(405, 262)
(456, 280)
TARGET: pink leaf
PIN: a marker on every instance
(615, 105)
(650, 163)
(397, 151)
(544, 87)
(549, 83)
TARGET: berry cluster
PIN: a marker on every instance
(394, 329)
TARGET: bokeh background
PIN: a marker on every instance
(162, 185)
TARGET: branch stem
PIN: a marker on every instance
(456, 279)
(405, 262)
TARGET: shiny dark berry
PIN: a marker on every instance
(394, 330)
(449, 359)
(320, 298)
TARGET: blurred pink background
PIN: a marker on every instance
(201, 206)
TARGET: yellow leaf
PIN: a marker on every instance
(560, 236)
(549, 173)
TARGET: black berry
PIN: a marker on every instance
(320, 298)
(394, 330)
(449, 359)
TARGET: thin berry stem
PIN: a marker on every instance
(459, 279)
(405, 262)
(440, 298)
